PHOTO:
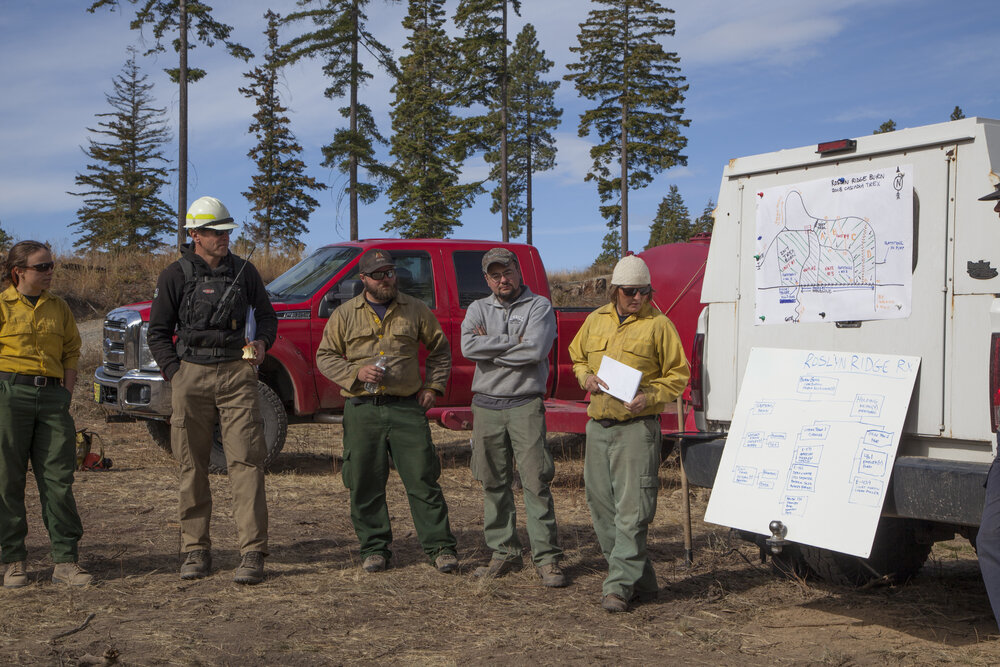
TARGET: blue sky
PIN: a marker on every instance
(763, 76)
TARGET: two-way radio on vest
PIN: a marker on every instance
(221, 313)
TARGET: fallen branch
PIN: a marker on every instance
(85, 623)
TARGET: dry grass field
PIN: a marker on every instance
(317, 607)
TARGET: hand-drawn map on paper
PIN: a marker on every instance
(812, 444)
(835, 249)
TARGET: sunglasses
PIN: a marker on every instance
(216, 232)
(630, 291)
(379, 275)
(43, 267)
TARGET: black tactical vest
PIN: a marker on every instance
(198, 339)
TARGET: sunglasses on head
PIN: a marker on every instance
(379, 275)
(630, 291)
(216, 232)
(43, 267)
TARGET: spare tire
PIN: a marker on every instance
(896, 555)
(275, 419)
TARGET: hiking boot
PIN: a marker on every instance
(16, 575)
(446, 562)
(497, 568)
(251, 569)
(552, 575)
(374, 563)
(197, 564)
(614, 604)
(71, 574)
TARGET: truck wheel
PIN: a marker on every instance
(896, 555)
(160, 432)
(275, 428)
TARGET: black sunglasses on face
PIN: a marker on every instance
(41, 268)
(216, 232)
(379, 275)
(630, 291)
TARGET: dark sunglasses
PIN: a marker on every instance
(216, 232)
(630, 291)
(42, 268)
(379, 275)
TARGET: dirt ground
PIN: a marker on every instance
(317, 607)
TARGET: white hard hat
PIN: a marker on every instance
(208, 213)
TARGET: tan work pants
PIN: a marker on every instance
(199, 392)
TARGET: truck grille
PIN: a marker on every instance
(116, 340)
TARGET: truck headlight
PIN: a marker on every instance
(146, 361)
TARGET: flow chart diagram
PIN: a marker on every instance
(812, 444)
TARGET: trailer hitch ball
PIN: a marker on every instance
(777, 539)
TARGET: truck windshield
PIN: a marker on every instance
(302, 280)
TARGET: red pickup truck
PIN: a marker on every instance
(445, 274)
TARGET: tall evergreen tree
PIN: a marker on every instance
(6, 240)
(279, 196)
(427, 197)
(638, 89)
(487, 76)
(122, 206)
(887, 126)
(672, 222)
(340, 32)
(176, 16)
(703, 223)
(957, 114)
(531, 146)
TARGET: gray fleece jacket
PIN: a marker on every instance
(512, 357)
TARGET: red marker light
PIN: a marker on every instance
(839, 146)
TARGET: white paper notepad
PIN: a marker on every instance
(622, 380)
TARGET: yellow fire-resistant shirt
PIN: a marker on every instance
(646, 341)
(354, 336)
(40, 339)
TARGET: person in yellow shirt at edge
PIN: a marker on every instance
(39, 352)
(623, 439)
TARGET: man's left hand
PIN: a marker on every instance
(637, 404)
(259, 352)
(426, 398)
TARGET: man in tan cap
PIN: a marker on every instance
(623, 438)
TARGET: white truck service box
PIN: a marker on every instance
(948, 438)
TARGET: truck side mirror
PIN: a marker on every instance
(345, 291)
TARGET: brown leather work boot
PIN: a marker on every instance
(16, 575)
(552, 575)
(197, 564)
(71, 574)
(251, 569)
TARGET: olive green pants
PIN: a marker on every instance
(373, 433)
(35, 425)
(499, 439)
(202, 394)
(620, 474)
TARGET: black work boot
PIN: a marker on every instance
(197, 564)
(251, 569)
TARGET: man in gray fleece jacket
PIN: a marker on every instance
(509, 335)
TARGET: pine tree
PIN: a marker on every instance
(177, 16)
(6, 240)
(957, 114)
(484, 50)
(279, 195)
(638, 87)
(532, 116)
(672, 223)
(887, 126)
(427, 197)
(340, 32)
(704, 222)
(122, 207)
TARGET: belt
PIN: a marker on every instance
(607, 423)
(33, 380)
(378, 399)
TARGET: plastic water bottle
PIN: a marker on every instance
(372, 387)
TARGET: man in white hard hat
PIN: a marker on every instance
(206, 295)
(623, 438)
(988, 539)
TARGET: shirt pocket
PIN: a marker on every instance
(406, 331)
(638, 348)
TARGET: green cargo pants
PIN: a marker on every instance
(499, 438)
(35, 425)
(620, 474)
(371, 434)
